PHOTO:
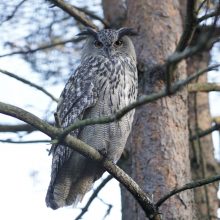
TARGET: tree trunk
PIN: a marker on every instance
(203, 163)
(158, 145)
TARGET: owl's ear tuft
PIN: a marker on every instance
(89, 32)
(126, 31)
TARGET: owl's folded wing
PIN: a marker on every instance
(78, 95)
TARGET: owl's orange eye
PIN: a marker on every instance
(98, 44)
(118, 43)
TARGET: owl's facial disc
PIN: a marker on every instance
(109, 43)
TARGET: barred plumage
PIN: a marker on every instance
(105, 82)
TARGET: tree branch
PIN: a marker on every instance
(44, 47)
(93, 196)
(190, 185)
(94, 16)
(190, 51)
(86, 150)
(201, 5)
(210, 15)
(200, 134)
(205, 29)
(14, 11)
(24, 142)
(183, 52)
(74, 12)
(203, 87)
(29, 83)
(17, 128)
(189, 25)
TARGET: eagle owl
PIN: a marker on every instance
(104, 83)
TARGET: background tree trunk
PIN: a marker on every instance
(158, 147)
(203, 163)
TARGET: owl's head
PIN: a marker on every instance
(109, 43)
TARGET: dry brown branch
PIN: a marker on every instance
(187, 186)
(93, 196)
(94, 16)
(24, 142)
(44, 47)
(208, 131)
(203, 87)
(210, 15)
(14, 11)
(74, 12)
(189, 25)
(182, 51)
(17, 128)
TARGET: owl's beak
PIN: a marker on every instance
(108, 52)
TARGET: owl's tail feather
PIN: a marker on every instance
(50, 201)
(69, 191)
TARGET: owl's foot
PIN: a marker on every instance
(103, 151)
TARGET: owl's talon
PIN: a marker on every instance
(103, 152)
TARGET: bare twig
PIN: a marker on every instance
(210, 15)
(74, 12)
(29, 83)
(109, 207)
(190, 185)
(203, 87)
(191, 51)
(201, 5)
(24, 142)
(18, 128)
(108, 210)
(94, 16)
(189, 25)
(44, 47)
(183, 52)
(14, 11)
(204, 29)
(208, 131)
(93, 196)
(88, 151)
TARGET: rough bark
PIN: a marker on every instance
(158, 145)
(114, 12)
(203, 163)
